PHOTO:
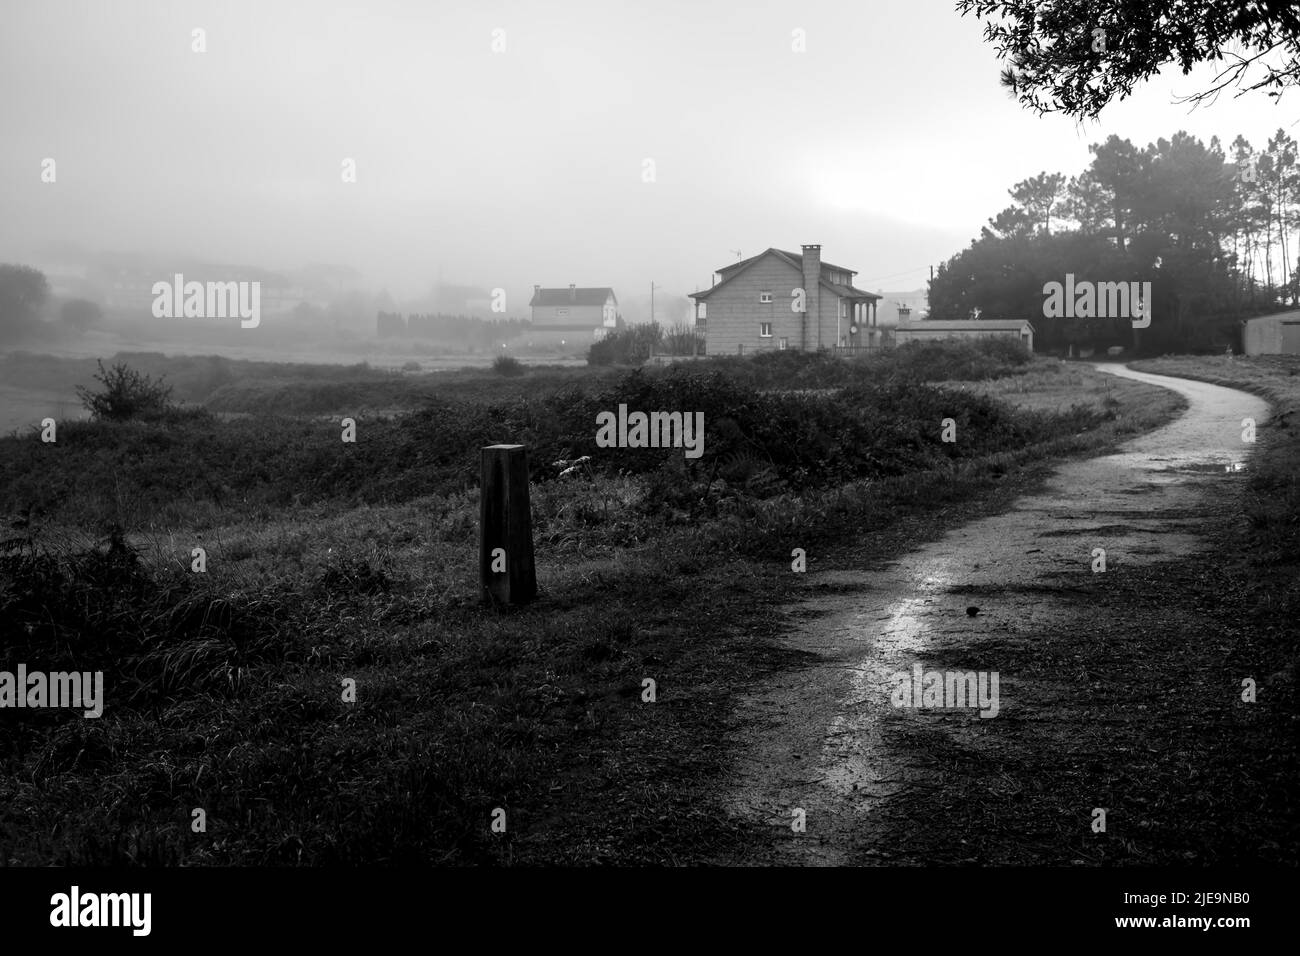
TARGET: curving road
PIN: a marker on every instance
(813, 737)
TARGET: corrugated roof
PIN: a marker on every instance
(592, 296)
(965, 325)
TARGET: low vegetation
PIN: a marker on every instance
(508, 366)
(125, 394)
(328, 561)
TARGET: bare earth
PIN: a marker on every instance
(826, 738)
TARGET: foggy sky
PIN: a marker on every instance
(889, 141)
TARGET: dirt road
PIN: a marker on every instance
(829, 740)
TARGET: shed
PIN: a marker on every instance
(1272, 334)
(929, 330)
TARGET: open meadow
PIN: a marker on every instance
(327, 561)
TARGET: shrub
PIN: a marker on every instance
(126, 394)
(957, 360)
(629, 346)
(682, 339)
(508, 365)
(1005, 350)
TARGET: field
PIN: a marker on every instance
(328, 561)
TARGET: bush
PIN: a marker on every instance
(629, 346)
(958, 360)
(508, 365)
(682, 339)
(126, 394)
(1004, 349)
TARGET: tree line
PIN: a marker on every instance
(1216, 234)
(462, 330)
(25, 298)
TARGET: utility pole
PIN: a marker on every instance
(652, 301)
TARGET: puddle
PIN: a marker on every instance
(827, 739)
(1215, 468)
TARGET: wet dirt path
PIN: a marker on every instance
(818, 738)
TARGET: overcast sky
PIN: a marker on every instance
(889, 141)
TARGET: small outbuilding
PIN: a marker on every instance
(1272, 334)
(929, 330)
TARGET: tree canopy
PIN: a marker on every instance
(1076, 56)
(23, 293)
(1216, 235)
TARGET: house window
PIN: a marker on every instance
(765, 330)
(785, 343)
(765, 297)
(844, 309)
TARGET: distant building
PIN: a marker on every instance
(451, 299)
(1272, 334)
(934, 329)
(578, 314)
(125, 287)
(752, 305)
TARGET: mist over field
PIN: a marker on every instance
(415, 157)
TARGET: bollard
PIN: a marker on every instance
(505, 559)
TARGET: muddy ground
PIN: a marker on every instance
(1118, 690)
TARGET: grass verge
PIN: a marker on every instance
(225, 688)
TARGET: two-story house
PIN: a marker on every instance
(589, 312)
(785, 300)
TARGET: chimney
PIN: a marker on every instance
(536, 289)
(812, 273)
(573, 293)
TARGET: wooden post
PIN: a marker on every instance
(505, 559)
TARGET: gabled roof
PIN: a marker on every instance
(596, 296)
(795, 258)
(795, 261)
(965, 325)
(798, 258)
